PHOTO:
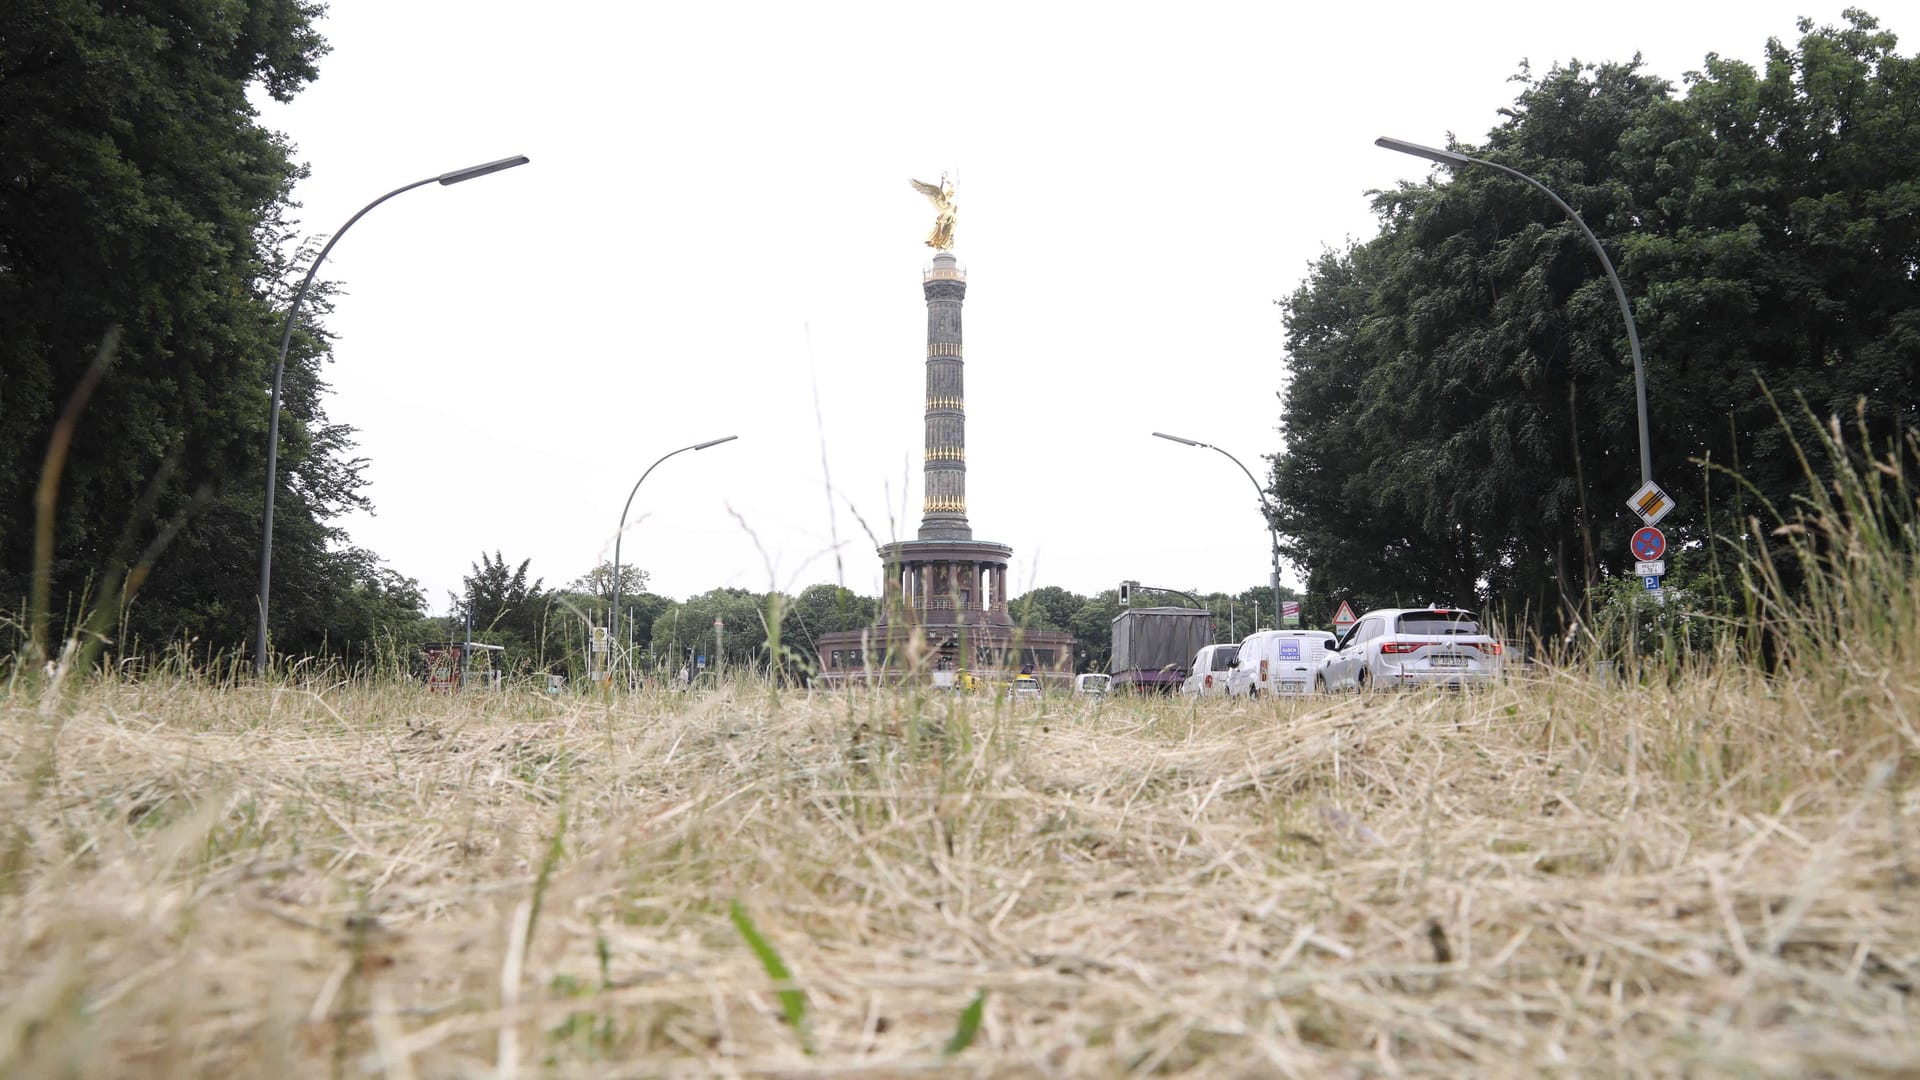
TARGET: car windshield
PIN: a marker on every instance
(1224, 656)
(1437, 622)
(1094, 682)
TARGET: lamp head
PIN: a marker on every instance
(714, 442)
(1444, 157)
(1176, 438)
(472, 171)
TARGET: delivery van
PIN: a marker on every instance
(1211, 666)
(1278, 662)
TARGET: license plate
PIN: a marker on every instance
(1448, 661)
(1293, 687)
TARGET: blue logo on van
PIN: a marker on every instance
(1289, 650)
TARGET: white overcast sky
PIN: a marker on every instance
(716, 236)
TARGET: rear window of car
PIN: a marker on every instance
(1224, 656)
(1437, 622)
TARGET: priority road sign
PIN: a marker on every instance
(1650, 503)
(1649, 543)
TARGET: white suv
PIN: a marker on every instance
(1210, 667)
(1411, 647)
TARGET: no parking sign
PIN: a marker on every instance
(1649, 544)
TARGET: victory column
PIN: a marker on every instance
(945, 593)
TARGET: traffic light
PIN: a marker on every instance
(1126, 594)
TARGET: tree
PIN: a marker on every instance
(1461, 422)
(1092, 629)
(1786, 249)
(599, 580)
(685, 631)
(822, 609)
(504, 609)
(1049, 607)
(138, 192)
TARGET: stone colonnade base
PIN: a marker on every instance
(892, 655)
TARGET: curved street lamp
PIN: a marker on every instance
(1449, 157)
(613, 621)
(1266, 506)
(280, 367)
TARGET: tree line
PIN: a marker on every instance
(1460, 419)
(544, 630)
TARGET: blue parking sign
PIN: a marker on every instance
(1653, 583)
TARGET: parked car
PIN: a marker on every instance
(1412, 647)
(1278, 662)
(1210, 667)
(1091, 684)
(1025, 687)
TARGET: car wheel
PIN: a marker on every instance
(1360, 681)
(1319, 684)
(1253, 692)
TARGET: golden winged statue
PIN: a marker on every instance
(942, 197)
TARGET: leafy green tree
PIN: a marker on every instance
(1784, 249)
(822, 609)
(599, 580)
(1092, 629)
(572, 611)
(1254, 608)
(503, 608)
(685, 631)
(642, 611)
(138, 192)
(1049, 607)
(1461, 422)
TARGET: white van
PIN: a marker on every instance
(1210, 667)
(1091, 684)
(1278, 662)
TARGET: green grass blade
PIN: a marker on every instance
(793, 1001)
(969, 1025)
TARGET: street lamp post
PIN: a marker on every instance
(1267, 511)
(280, 367)
(613, 629)
(1449, 157)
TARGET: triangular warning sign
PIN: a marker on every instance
(1345, 616)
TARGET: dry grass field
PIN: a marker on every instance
(1700, 873)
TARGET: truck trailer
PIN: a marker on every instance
(1152, 647)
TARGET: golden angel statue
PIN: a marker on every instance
(941, 195)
